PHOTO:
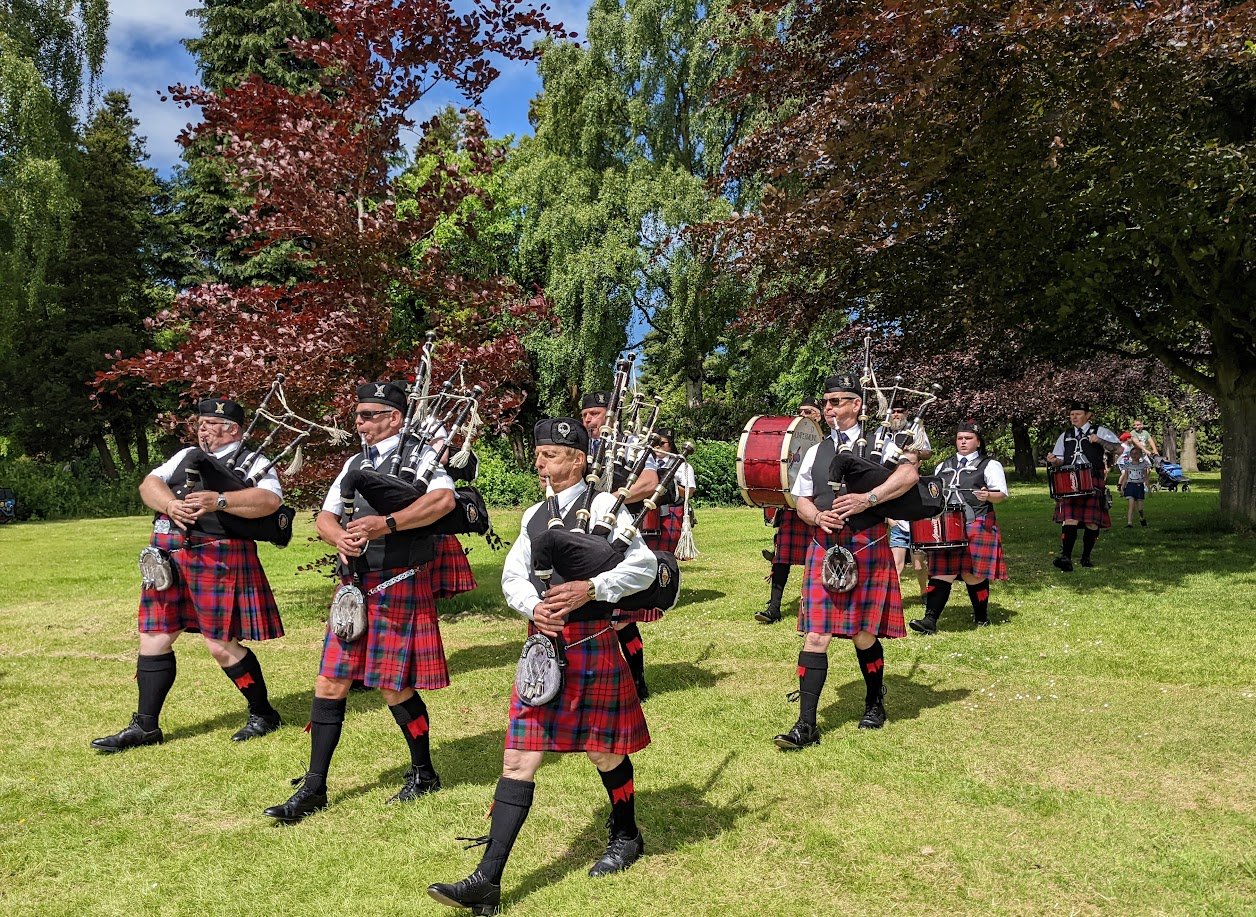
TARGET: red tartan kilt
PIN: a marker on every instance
(669, 536)
(1088, 509)
(874, 605)
(641, 616)
(983, 557)
(220, 590)
(401, 647)
(792, 539)
(597, 709)
(449, 572)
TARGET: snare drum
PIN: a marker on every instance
(945, 530)
(1070, 481)
(769, 456)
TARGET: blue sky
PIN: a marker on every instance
(145, 56)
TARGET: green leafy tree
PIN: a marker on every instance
(625, 151)
(108, 280)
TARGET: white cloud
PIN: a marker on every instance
(155, 20)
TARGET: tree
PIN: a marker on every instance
(107, 281)
(625, 150)
(318, 165)
(1078, 172)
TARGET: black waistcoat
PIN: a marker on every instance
(823, 490)
(592, 611)
(1094, 452)
(396, 549)
(970, 479)
(207, 523)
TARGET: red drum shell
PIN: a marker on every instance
(769, 455)
(651, 523)
(1070, 481)
(948, 529)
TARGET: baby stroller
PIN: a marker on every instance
(1169, 476)
(8, 505)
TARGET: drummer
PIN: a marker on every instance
(981, 483)
(900, 530)
(789, 544)
(1095, 443)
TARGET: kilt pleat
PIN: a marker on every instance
(402, 646)
(983, 557)
(597, 709)
(669, 534)
(792, 539)
(450, 572)
(874, 605)
(1088, 509)
(219, 590)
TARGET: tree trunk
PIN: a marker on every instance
(122, 439)
(1189, 458)
(106, 457)
(141, 447)
(1168, 448)
(1023, 454)
(693, 391)
(1238, 459)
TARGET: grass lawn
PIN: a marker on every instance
(1090, 753)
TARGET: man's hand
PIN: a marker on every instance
(567, 597)
(1054, 459)
(184, 513)
(350, 544)
(368, 528)
(829, 520)
(849, 504)
(549, 619)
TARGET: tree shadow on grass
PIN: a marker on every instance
(905, 696)
(671, 817)
(680, 676)
(294, 708)
(689, 597)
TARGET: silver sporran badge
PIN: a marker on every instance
(839, 574)
(155, 572)
(539, 672)
(347, 619)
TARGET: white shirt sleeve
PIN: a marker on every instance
(517, 585)
(1058, 449)
(332, 502)
(166, 469)
(1105, 434)
(803, 485)
(996, 477)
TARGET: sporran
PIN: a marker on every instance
(155, 570)
(348, 613)
(539, 672)
(839, 573)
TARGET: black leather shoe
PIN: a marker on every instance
(305, 801)
(925, 625)
(133, 736)
(1063, 563)
(769, 556)
(643, 690)
(414, 787)
(1087, 562)
(476, 892)
(621, 852)
(802, 735)
(874, 714)
(256, 727)
(769, 615)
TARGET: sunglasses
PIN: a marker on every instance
(834, 402)
(371, 415)
(898, 411)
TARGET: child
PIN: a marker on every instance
(1134, 469)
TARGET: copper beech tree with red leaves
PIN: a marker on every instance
(321, 169)
(1064, 181)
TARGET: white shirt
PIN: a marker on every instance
(269, 481)
(685, 477)
(634, 573)
(804, 486)
(1074, 433)
(440, 479)
(1136, 472)
(995, 478)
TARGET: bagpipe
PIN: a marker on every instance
(859, 469)
(247, 466)
(451, 417)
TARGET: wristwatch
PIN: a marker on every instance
(222, 501)
(392, 523)
(872, 499)
(592, 593)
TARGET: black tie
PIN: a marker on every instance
(372, 454)
(843, 439)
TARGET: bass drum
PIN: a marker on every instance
(769, 456)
